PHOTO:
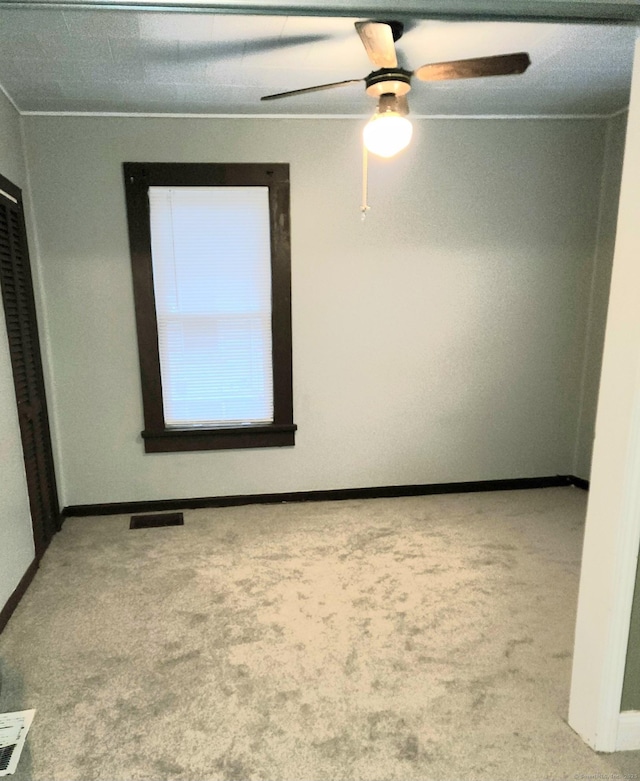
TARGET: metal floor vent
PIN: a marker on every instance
(159, 519)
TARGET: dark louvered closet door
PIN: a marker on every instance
(22, 331)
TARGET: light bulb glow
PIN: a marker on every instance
(387, 134)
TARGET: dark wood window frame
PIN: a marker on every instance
(138, 177)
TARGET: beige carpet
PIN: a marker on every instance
(417, 638)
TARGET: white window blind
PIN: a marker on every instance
(211, 257)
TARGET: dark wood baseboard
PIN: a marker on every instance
(380, 492)
(12, 602)
(390, 491)
(580, 482)
(338, 494)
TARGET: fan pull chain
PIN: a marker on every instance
(365, 181)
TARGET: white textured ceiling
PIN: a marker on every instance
(102, 60)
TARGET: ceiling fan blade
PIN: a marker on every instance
(498, 65)
(377, 39)
(319, 88)
(213, 51)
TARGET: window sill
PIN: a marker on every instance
(177, 440)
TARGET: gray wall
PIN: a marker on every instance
(16, 537)
(599, 299)
(631, 684)
(440, 340)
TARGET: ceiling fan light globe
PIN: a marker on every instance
(387, 134)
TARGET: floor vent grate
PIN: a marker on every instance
(154, 521)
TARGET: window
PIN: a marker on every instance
(210, 255)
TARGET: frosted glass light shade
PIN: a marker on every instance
(387, 134)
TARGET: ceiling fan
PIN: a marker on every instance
(391, 83)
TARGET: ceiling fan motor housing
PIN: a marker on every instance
(395, 103)
(388, 81)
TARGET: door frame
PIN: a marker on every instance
(612, 533)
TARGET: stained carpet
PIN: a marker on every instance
(413, 638)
